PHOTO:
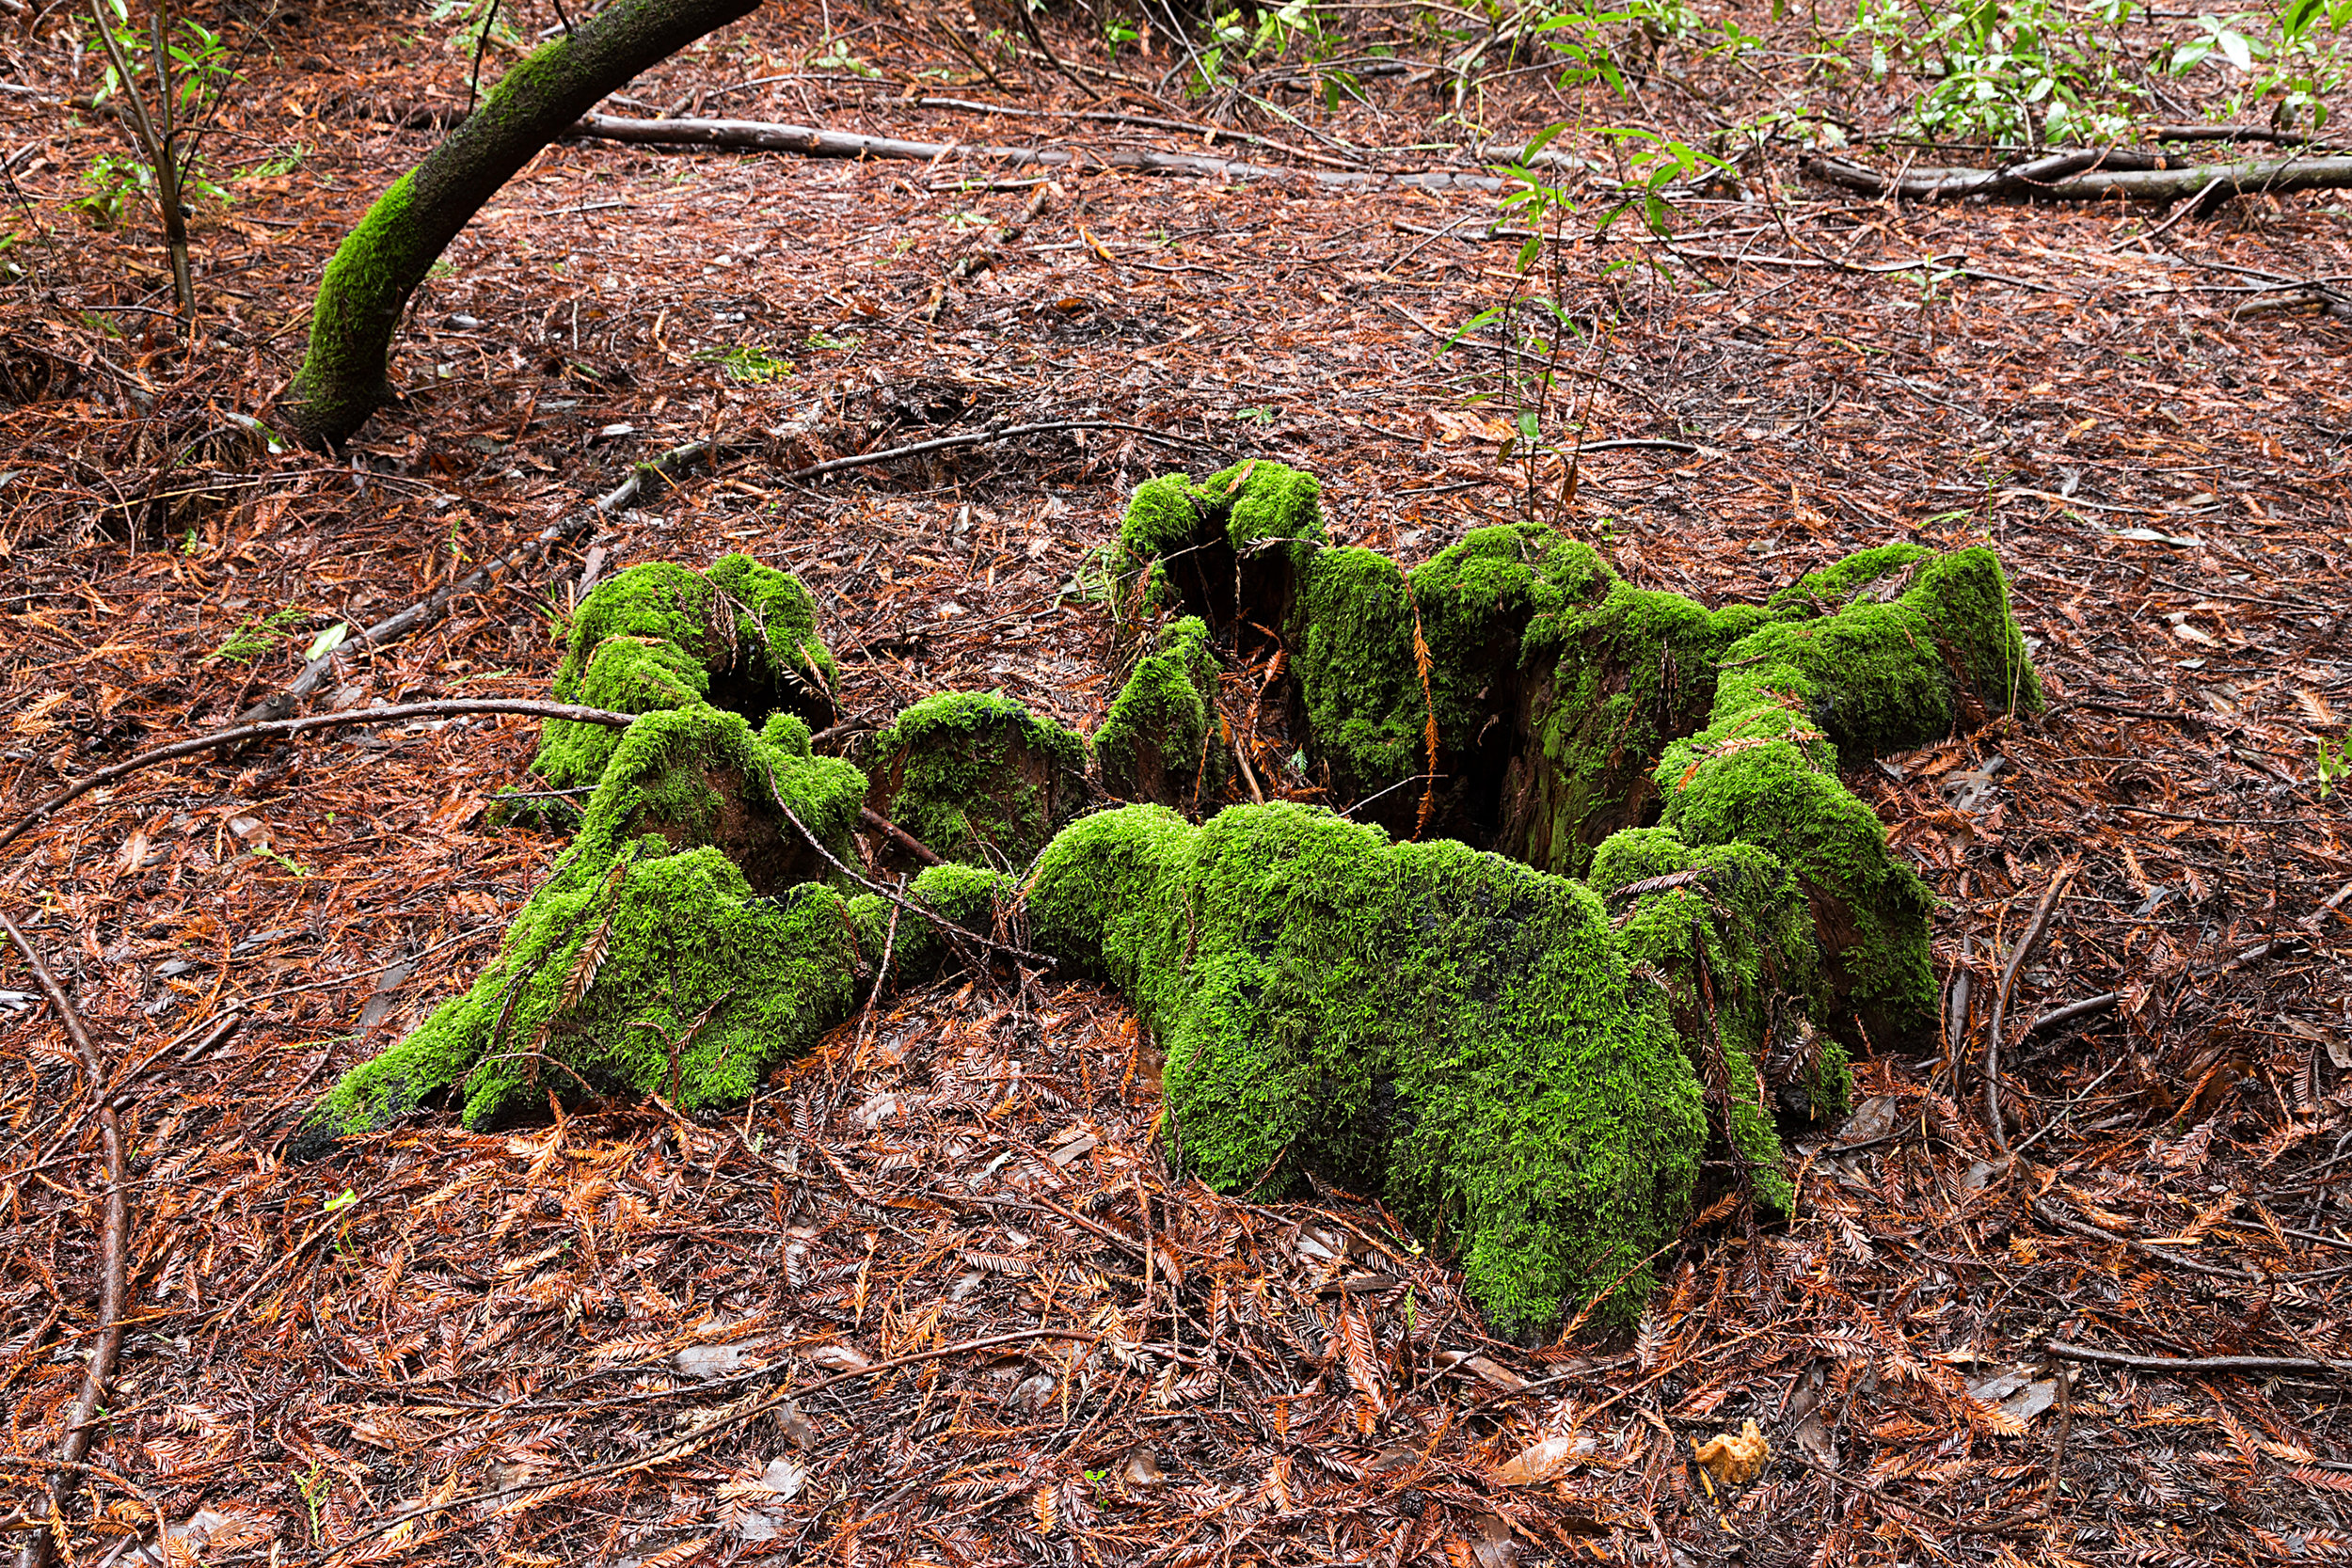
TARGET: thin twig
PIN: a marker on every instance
(113, 1249)
(2257, 1365)
(978, 437)
(1950, 1522)
(393, 628)
(2057, 1017)
(276, 727)
(954, 935)
(900, 836)
(2025, 944)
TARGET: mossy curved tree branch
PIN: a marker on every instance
(378, 267)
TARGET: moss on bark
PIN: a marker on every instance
(684, 941)
(1454, 1031)
(1160, 742)
(740, 636)
(1729, 935)
(1228, 549)
(976, 777)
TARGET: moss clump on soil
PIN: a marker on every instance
(740, 636)
(684, 941)
(976, 777)
(1162, 740)
(1454, 1031)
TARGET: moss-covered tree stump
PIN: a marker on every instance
(1515, 692)
(1642, 911)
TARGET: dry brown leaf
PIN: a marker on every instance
(1543, 1461)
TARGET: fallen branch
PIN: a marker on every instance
(754, 135)
(2260, 1365)
(702, 1434)
(2107, 1000)
(426, 609)
(113, 1249)
(2228, 133)
(2091, 177)
(973, 438)
(900, 836)
(1149, 122)
(2049, 1214)
(449, 708)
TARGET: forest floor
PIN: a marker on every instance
(936, 1296)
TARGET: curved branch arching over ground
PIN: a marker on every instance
(381, 262)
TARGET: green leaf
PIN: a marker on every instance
(328, 642)
(1489, 314)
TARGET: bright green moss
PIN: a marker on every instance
(680, 946)
(1869, 909)
(1834, 587)
(661, 636)
(963, 896)
(1612, 684)
(366, 285)
(1475, 603)
(1183, 544)
(1469, 1037)
(977, 777)
(1963, 599)
(1447, 1028)
(1732, 939)
(1356, 673)
(1156, 743)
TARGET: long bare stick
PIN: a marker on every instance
(810, 141)
(448, 708)
(973, 438)
(113, 1249)
(2026, 946)
(2257, 1365)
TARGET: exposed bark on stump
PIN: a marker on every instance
(976, 778)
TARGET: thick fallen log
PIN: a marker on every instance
(810, 142)
(2092, 176)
